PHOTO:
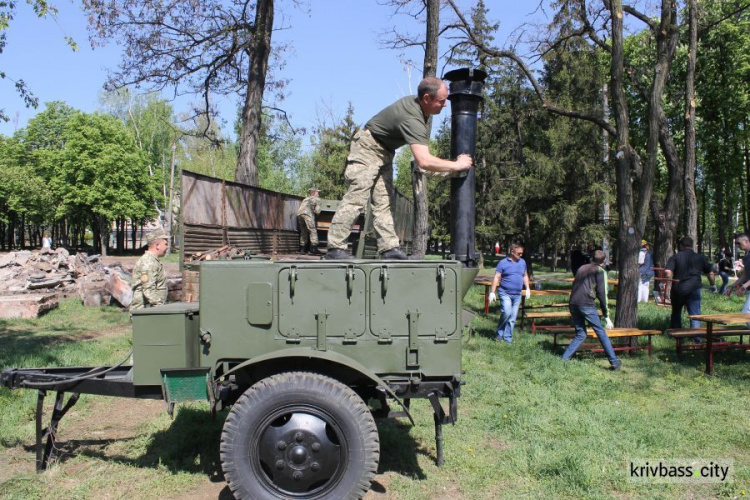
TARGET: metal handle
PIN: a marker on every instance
(349, 280)
(292, 280)
(441, 279)
(384, 279)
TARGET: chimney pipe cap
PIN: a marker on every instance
(464, 74)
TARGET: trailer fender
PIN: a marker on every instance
(329, 357)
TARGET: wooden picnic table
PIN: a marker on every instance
(717, 319)
(541, 293)
(609, 282)
(627, 333)
(487, 283)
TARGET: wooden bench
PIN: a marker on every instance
(525, 310)
(683, 337)
(486, 282)
(534, 316)
(616, 333)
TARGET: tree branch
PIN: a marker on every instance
(639, 15)
(465, 27)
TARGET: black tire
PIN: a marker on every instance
(299, 435)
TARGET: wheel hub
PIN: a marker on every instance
(299, 452)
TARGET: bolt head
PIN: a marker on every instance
(281, 445)
(315, 447)
(280, 464)
(297, 476)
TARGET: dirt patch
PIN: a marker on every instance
(379, 488)
(110, 419)
(497, 445)
(207, 490)
(15, 462)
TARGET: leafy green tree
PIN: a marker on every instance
(281, 164)
(440, 190)
(103, 175)
(723, 70)
(214, 158)
(151, 120)
(24, 199)
(35, 152)
(403, 175)
(330, 149)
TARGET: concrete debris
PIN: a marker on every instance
(32, 283)
(27, 306)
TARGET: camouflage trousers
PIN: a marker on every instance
(369, 175)
(307, 230)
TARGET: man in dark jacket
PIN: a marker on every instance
(686, 267)
(743, 282)
(591, 282)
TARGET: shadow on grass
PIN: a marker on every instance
(191, 444)
(20, 345)
(399, 450)
(179, 448)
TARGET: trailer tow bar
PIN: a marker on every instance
(43, 454)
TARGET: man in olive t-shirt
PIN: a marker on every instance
(369, 166)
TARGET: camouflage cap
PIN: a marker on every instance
(157, 234)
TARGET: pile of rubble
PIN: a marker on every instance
(34, 282)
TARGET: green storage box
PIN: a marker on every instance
(164, 337)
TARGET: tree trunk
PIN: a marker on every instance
(170, 208)
(666, 217)
(420, 232)
(691, 204)
(745, 218)
(629, 234)
(247, 170)
(105, 228)
(419, 182)
(746, 157)
(606, 165)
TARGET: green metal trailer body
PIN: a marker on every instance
(393, 317)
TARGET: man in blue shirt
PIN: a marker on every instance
(511, 277)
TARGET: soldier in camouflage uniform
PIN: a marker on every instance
(369, 166)
(306, 216)
(149, 282)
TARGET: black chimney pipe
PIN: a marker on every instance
(465, 96)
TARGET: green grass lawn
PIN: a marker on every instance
(530, 426)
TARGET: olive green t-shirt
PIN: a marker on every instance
(403, 122)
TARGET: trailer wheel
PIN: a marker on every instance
(299, 435)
